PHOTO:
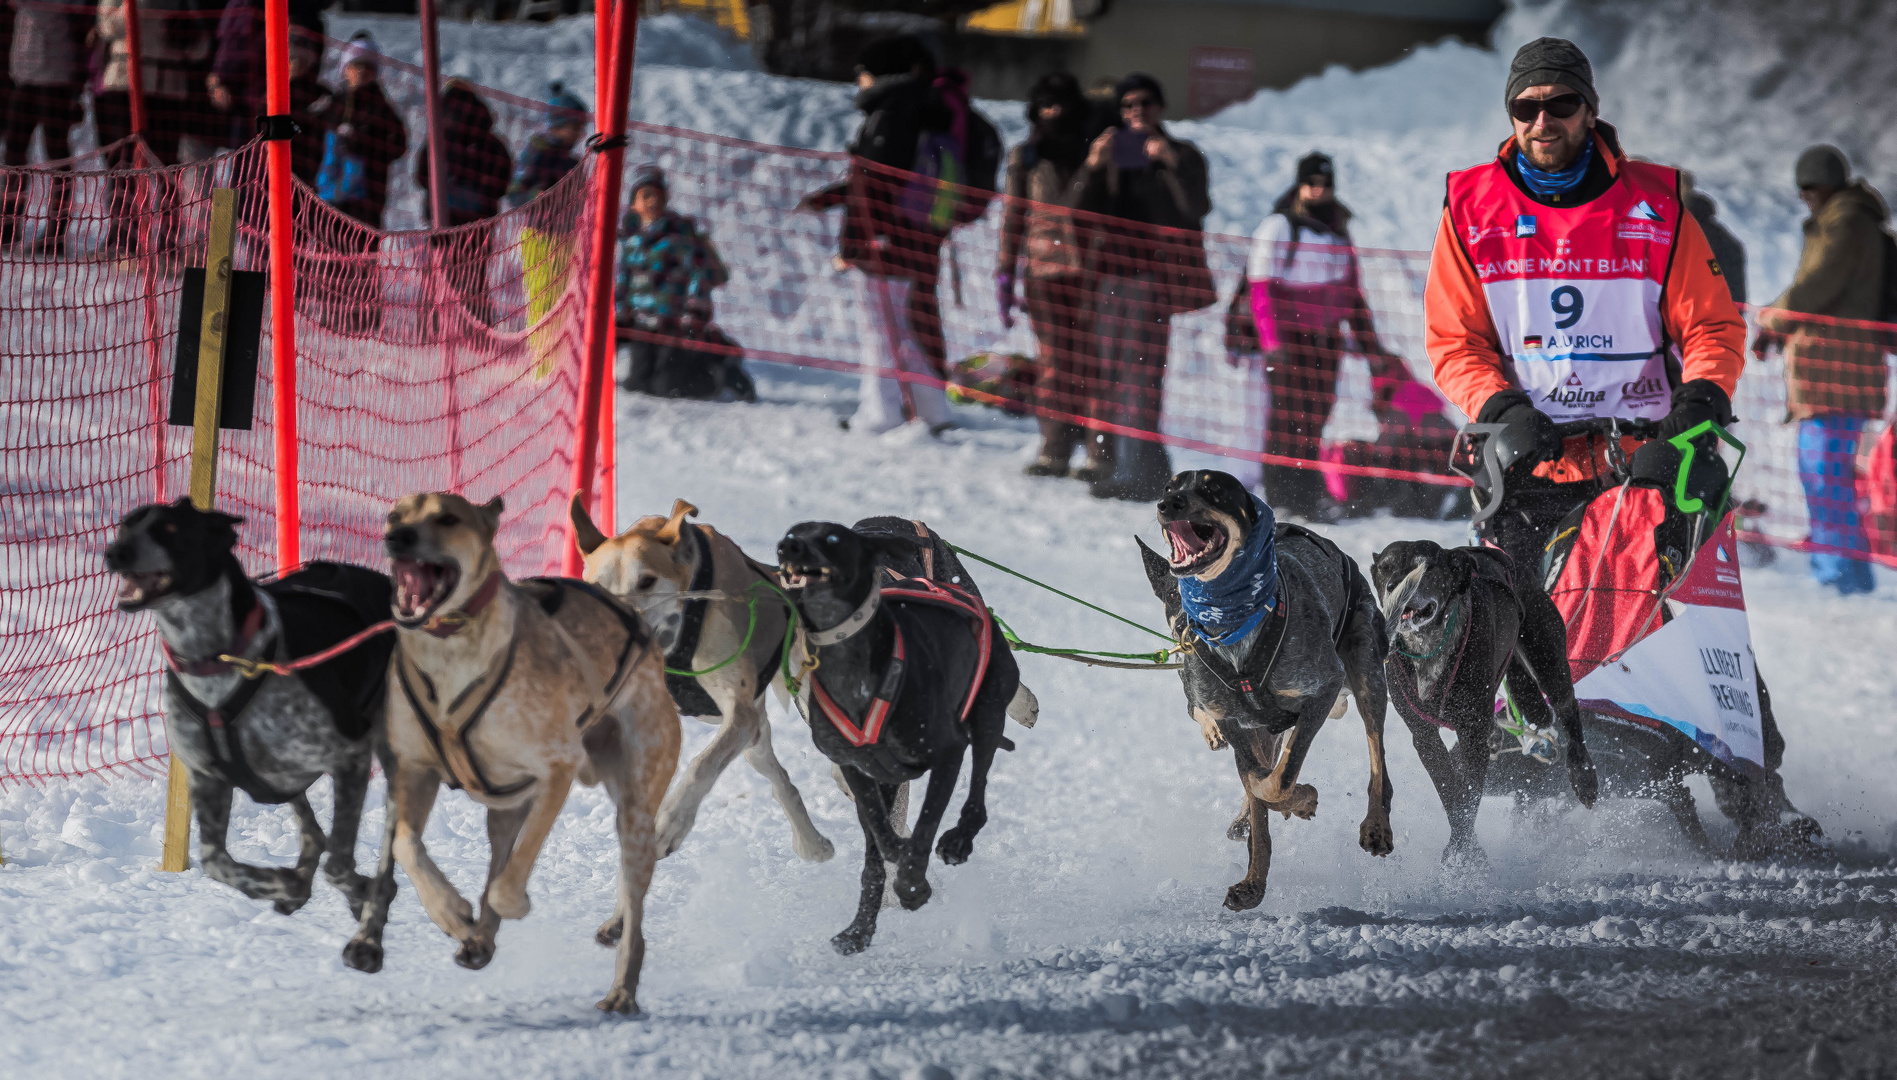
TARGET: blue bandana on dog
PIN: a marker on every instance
(1229, 607)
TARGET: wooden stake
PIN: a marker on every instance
(211, 328)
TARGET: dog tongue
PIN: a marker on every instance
(1185, 541)
(414, 583)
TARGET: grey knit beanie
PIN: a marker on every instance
(1549, 62)
(1822, 165)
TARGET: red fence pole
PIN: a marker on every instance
(431, 73)
(276, 54)
(608, 407)
(595, 373)
(135, 65)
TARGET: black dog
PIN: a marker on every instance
(1460, 620)
(907, 676)
(1269, 691)
(274, 735)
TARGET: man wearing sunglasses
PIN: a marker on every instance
(1568, 283)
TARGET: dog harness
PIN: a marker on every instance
(1406, 664)
(687, 694)
(889, 687)
(298, 626)
(449, 736)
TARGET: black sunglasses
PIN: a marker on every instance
(1525, 110)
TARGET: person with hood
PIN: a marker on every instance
(1041, 247)
(668, 268)
(1834, 374)
(1305, 289)
(364, 136)
(1153, 193)
(897, 249)
(46, 61)
(478, 172)
(549, 153)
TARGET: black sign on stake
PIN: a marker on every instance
(241, 345)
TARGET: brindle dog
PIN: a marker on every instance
(1268, 694)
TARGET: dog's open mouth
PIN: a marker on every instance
(1418, 615)
(137, 590)
(421, 587)
(1195, 544)
(798, 577)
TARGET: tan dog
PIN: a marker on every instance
(512, 691)
(649, 566)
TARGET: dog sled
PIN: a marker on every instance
(1646, 577)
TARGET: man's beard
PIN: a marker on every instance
(1554, 156)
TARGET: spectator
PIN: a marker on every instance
(1834, 374)
(46, 62)
(306, 147)
(1305, 289)
(549, 154)
(1728, 252)
(667, 270)
(899, 255)
(479, 168)
(1036, 225)
(171, 43)
(236, 84)
(1147, 182)
(364, 136)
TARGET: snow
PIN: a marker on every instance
(1085, 937)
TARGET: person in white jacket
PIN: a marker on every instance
(1305, 289)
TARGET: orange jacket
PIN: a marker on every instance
(1696, 311)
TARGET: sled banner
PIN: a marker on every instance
(1695, 673)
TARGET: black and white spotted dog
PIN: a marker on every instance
(275, 735)
(1284, 624)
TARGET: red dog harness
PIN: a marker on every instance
(915, 591)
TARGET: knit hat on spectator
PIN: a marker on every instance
(896, 55)
(1139, 80)
(567, 109)
(361, 50)
(644, 176)
(1315, 165)
(1822, 166)
(1552, 62)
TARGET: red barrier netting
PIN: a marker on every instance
(1109, 339)
(427, 361)
(450, 359)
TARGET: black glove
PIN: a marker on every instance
(1694, 403)
(1530, 432)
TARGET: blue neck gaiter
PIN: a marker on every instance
(1548, 184)
(1229, 607)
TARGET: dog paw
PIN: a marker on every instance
(1302, 802)
(290, 907)
(363, 955)
(1239, 831)
(1244, 896)
(474, 954)
(509, 903)
(913, 894)
(671, 831)
(956, 846)
(1375, 837)
(813, 848)
(851, 941)
(609, 932)
(622, 1002)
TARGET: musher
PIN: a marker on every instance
(1567, 283)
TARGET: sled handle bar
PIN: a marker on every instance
(1493, 475)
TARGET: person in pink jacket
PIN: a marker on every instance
(1305, 289)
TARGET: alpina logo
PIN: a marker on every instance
(1574, 392)
(1573, 379)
